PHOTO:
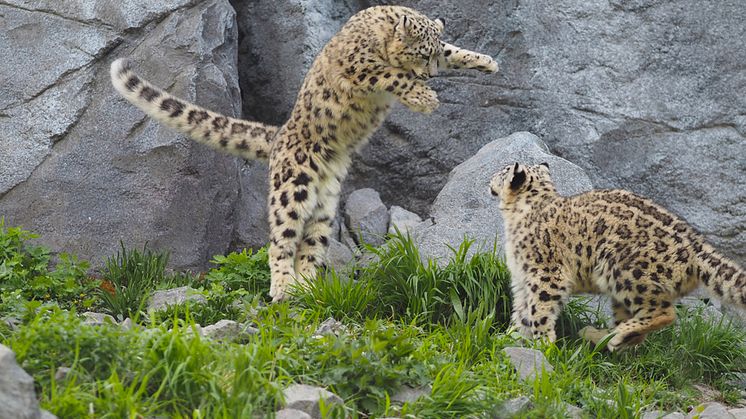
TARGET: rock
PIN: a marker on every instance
(709, 410)
(329, 326)
(17, 394)
(291, 414)
(126, 324)
(161, 299)
(47, 415)
(739, 413)
(366, 216)
(338, 255)
(306, 398)
(659, 414)
(82, 167)
(514, 407)
(228, 330)
(527, 362)
(465, 207)
(572, 411)
(97, 319)
(402, 219)
(61, 373)
(407, 394)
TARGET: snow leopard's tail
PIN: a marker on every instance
(722, 277)
(247, 139)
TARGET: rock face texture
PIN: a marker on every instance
(646, 95)
(82, 167)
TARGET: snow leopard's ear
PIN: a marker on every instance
(519, 177)
(440, 23)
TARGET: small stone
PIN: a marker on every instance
(339, 255)
(61, 373)
(17, 394)
(527, 362)
(407, 394)
(161, 300)
(306, 398)
(403, 220)
(228, 330)
(97, 319)
(709, 410)
(366, 216)
(659, 414)
(329, 326)
(513, 407)
(573, 411)
(739, 413)
(291, 414)
(126, 324)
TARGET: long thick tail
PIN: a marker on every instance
(247, 139)
(723, 277)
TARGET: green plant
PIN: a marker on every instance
(130, 277)
(219, 304)
(25, 267)
(411, 288)
(245, 270)
(338, 297)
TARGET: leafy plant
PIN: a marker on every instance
(244, 270)
(130, 277)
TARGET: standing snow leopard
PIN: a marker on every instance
(609, 242)
(382, 54)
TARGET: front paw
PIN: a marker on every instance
(592, 334)
(490, 66)
(423, 101)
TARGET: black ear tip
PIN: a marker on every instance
(545, 164)
(442, 21)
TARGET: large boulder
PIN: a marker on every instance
(465, 207)
(84, 168)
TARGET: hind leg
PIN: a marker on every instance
(312, 252)
(290, 209)
(646, 320)
(621, 314)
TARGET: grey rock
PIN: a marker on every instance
(402, 219)
(97, 319)
(306, 398)
(61, 373)
(739, 413)
(338, 255)
(407, 394)
(710, 410)
(82, 167)
(527, 362)
(513, 407)
(346, 239)
(17, 394)
(228, 330)
(161, 299)
(572, 411)
(366, 216)
(330, 326)
(659, 414)
(291, 414)
(465, 208)
(47, 415)
(126, 324)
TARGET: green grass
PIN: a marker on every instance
(406, 323)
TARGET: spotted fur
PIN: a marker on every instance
(381, 55)
(609, 242)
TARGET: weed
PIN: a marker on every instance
(130, 277)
